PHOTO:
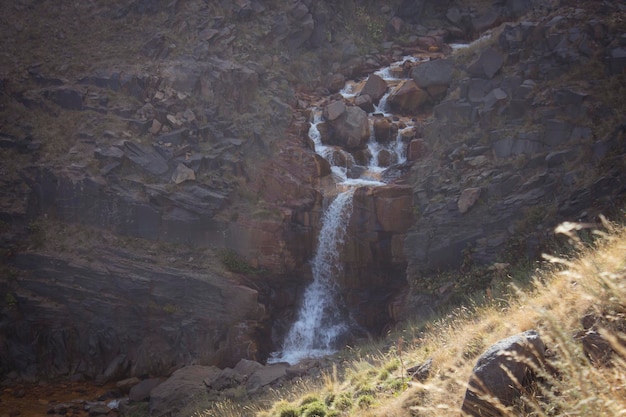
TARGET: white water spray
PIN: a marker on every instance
(321, 323)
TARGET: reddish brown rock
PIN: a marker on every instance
(375, 87)
(407, 98)
(393, 205)
(382, 129)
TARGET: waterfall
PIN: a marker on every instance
(321, 323)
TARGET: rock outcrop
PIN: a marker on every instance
(503, 373)
(121, 316)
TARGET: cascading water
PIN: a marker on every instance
(321, 324)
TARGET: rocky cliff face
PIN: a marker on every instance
(528, 135)
(186, 123)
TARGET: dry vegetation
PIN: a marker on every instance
(371, 380)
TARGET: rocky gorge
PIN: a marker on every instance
(162, 198)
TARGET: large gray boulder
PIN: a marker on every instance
(351, 129)
(433, 73)
(183, 386)
(375, 87)
(487, 64)
(502, 373)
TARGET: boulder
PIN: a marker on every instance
(407, 98)
(334, 110)
(145, 157)
(351, 129)
(421, 372)
(141, 391)
(335, 82)
(182, 174)
(494, 98)
(364, 102)
(468, 198)
(487, 64)
(266, 375)
(375, 87)
(503, 372)
(437, 72)
(179, 390)
(382, 129)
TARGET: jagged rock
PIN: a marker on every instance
(125, 385)
(494, 98)
(477, 89)
(335, 82)
(178, 390)
(220, 380)
(247, 367)
(142, 390)
(175, 137)
(351, 129)
(265, 376)
(407, 98)
(146, 157)
(468, 198)
(375, 87)
(437, 72)
(487, 64)
(182, 174)
(334, 110)
(155, 127)
(421, 372)
(66, 97)
(364, 102)
(504, 371)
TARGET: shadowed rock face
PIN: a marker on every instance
(121, 316)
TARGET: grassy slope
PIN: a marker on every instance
(371, 380)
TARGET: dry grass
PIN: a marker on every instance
(590, 281)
